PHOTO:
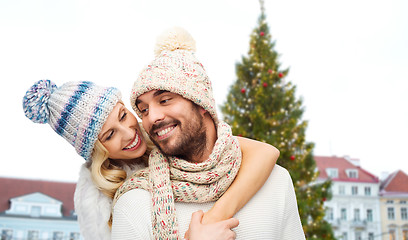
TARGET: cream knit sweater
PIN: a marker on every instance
(271, 214)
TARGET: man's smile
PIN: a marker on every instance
(165, 132)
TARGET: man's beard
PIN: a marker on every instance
(191, 142)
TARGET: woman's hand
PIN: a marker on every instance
(212, 231)
(213, 216)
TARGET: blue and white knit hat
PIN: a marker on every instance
(176, 69)
(76, 110)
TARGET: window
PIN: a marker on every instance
(370, 236)
(404, 234)
(329, 213)
(357, 236)
(404, 215)
(390, 201)
(74, 236)
(343, 214)
(391, 233)
(73, 213)
(354, 190)
(369, 215)
(332, 172)
(57, 236)
(352, 173)
(344, 236)
(342, 190)
(35, 211)
(403, 202)
(356, 214)
(32, 235)
(6, 234)
(367, 191)
(390, 212)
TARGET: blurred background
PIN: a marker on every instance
(347, 59)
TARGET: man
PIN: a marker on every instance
(173, 97)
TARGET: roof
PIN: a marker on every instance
(36, 197)
(396, 182)
(343, 164)
(14, 187)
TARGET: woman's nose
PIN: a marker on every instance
(128, 133)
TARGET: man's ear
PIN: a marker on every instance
(202, 111)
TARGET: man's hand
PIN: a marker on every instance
(214, 231)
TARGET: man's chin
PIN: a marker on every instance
(170, 147)
(169, 150)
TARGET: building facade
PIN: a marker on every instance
(394, 206)
(35, 210)
(361, 208)
(354, 210)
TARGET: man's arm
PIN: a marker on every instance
(258, 160)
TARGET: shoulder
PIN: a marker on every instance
(278, 180)
(84, 184)
(135, 202)
(91, 207)
(266, 214)
(84, 173)
(272, 199)
(280, 172)
(134, 195)
(132, 216)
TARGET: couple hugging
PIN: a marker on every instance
(180, 173)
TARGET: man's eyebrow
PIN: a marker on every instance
(157, 93)
(137, 102)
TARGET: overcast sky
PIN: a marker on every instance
(349, 60)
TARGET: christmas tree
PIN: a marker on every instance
(262, 105)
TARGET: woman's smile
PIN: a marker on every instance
(134, 144)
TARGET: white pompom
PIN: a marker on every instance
(174, 39)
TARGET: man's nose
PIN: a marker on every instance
(155, 115)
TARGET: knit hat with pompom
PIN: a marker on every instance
(76, 110)
(176, 69)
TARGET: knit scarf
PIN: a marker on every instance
(171, 179)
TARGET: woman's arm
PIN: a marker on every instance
(258, 160)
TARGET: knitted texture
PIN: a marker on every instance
(176, 69)
(92, 207)
(190, 182)
(36, 99)
(271, 214)
(76, 110)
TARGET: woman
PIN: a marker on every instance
(94, 120)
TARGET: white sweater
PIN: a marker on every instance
(271, 214)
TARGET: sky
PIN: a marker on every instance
(348, 59)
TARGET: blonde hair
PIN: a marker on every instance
(106, 176)
(109, 174)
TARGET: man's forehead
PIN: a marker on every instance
(142, 96)
(151, 93)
